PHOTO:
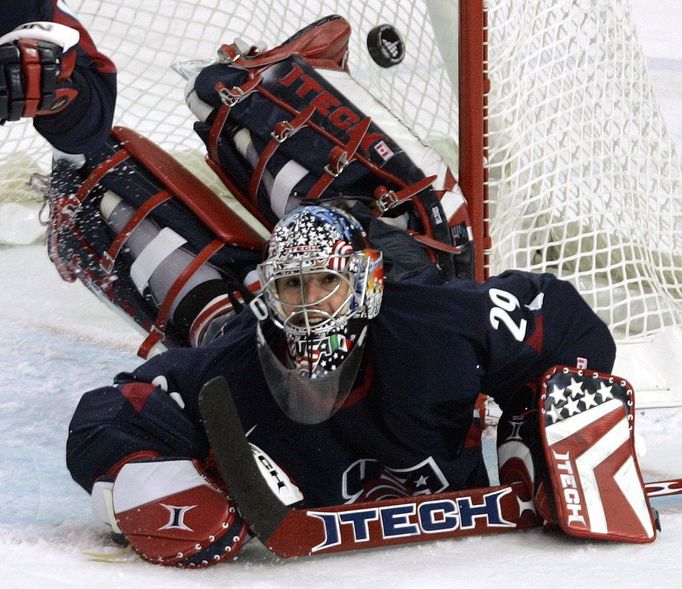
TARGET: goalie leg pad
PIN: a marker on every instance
(520, 453)
(150, 239)
(586, 426)
(290, 124)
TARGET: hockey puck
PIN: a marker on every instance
(385, 45)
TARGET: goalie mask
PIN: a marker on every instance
(321, 284)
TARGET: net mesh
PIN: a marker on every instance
(584, 180)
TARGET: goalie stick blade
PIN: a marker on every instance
(404, 520)
(238, 469)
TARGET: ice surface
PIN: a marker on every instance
(58, 341)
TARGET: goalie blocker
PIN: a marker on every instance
(570, 440)
(177, 511)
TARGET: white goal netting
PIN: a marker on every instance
(584, 180)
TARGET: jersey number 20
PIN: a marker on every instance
(505, 303)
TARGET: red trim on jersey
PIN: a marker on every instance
(138, 394)
(535, 340)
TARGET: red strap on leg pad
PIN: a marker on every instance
(586, 426)
(172, 514)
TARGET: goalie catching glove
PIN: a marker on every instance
(177, 512)
(35, 66)
(172, 511)
(570, 439)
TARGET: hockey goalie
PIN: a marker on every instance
(354, 341)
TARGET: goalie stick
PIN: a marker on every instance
(291, 532)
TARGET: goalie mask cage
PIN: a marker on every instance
(564, 155)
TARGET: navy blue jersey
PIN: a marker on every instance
(86, 123)
(431, 350)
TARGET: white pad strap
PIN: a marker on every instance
(155, 252)
(103, 504)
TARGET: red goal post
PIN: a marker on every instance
(569, 168)
(473, 92)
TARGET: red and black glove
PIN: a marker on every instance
(35, 66)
